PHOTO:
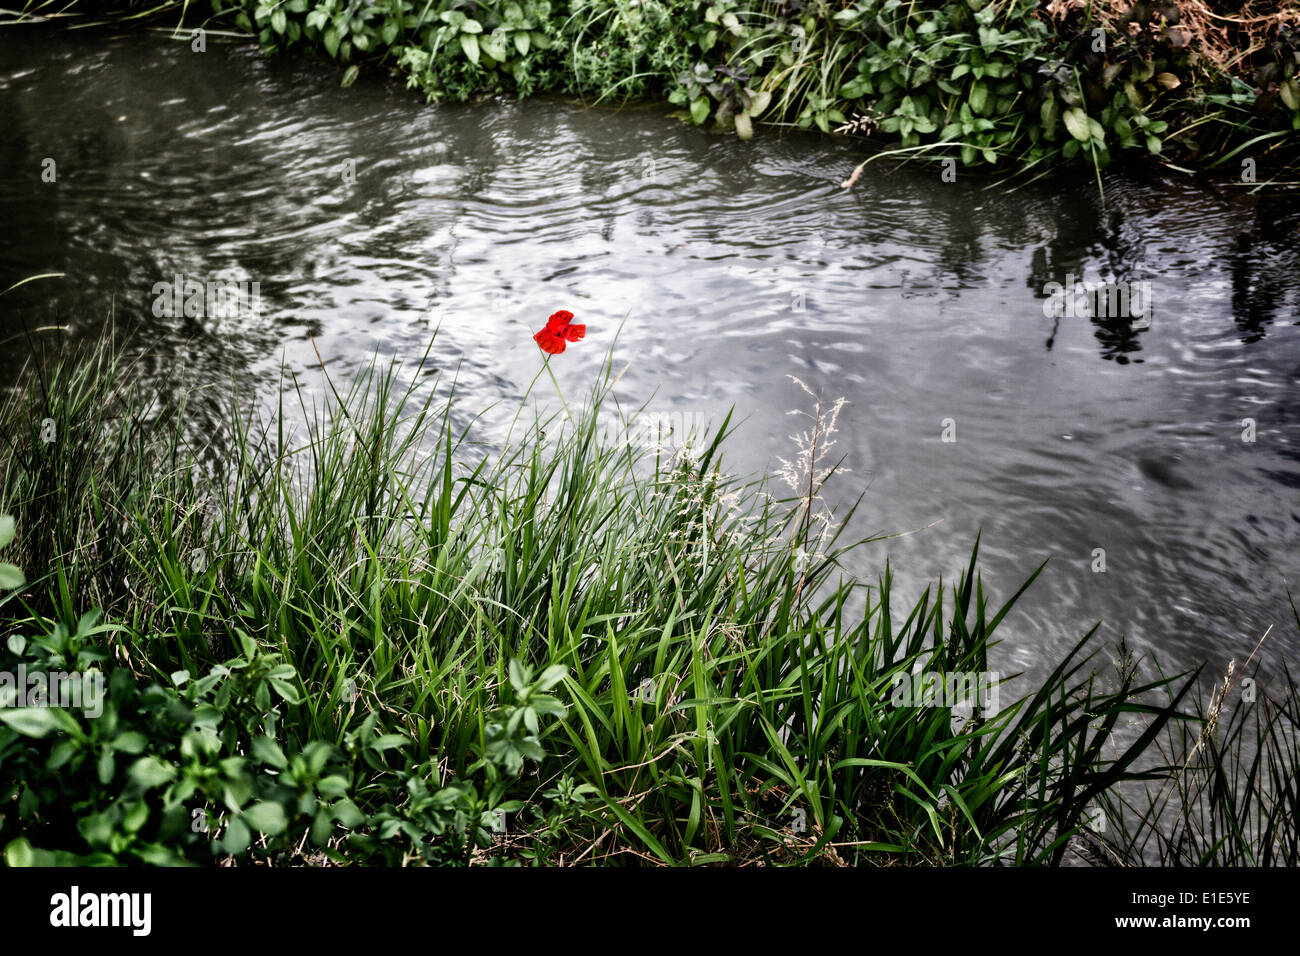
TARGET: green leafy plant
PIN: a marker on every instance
(1017, 84)
(191, 770)
(722, 92)
(11, 578)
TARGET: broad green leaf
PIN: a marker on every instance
(286, 691)
(1076, 121)
(267, 817)
(519, 674)
(135, 817)
(130, 742)
(335, 785)
(151, 772)
(11, 578)
(551, 676)
(493, 45)
(346, 812)
(1050, 112)
(61, 753)
(236, 838)
(268, 751)
(322, 825)
(20, 853)
(1290, 96)
(36, 721)
(469, 43)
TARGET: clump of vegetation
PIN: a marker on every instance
(374, 641)
(1018, 84)
(1232, 799)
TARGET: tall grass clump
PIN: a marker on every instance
(367, 638)
(1232, 796)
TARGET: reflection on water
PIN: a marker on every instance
(369, 219)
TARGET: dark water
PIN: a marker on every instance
(921, 301)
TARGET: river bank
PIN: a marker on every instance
(1195, 85)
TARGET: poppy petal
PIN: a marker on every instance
(549, 342)
(575, 332)
(558, 320)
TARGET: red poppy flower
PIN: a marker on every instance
(558, 331)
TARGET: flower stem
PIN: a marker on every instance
(569, 414)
